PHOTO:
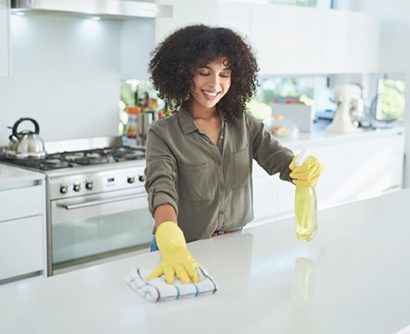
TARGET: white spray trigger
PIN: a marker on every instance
(300, 158)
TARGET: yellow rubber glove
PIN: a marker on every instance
(176, 258)
(308, 173)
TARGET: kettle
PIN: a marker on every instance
(25, 144)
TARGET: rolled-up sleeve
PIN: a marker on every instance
(268, 152)
(160, 171)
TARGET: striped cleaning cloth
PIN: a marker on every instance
(157, 290)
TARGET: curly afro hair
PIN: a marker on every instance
(175, 60)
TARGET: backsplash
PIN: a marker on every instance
(66, 74)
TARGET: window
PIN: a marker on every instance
(390, 100)
(284, 90)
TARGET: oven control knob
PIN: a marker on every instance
(89, 185)
(63, 188)
(141, 178)
(131, 179)
(77, 187)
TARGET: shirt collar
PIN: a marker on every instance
(187, 123)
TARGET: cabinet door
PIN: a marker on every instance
(334, 43)
(214, 13)
(375, 166)
(185, 12)
(236, 16)
(21, 246)
(4, 38)
(331, 189)
(265, 193)
(350, 42)
(21, 202)
(363, 43)
(286, 39)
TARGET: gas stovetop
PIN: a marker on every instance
(73, 159)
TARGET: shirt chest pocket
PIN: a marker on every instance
(196, 182)
(239, 168)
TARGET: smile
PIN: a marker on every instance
(210, 95)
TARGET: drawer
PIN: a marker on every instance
(21, 246)
(21, 202)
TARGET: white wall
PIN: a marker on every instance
(394, 47)
(65, 74)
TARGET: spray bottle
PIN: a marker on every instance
(305, 207)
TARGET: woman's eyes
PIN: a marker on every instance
(223, 75)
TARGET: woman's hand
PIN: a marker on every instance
(308, 173)
(176, 258)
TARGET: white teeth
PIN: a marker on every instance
(210, 94)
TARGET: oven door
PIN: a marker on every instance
(89, 227)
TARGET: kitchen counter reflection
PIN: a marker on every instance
(352, 278)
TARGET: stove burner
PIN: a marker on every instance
(128, 153)
(53, 161)
(81, 158)
(53, 164)
(71, 156)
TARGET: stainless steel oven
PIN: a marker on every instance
(96, 214)
(96, 201)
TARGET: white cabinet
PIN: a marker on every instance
(21, 202)
(374, 167)
(286, 39)
(350, 42)
(4, 38)
(265, 193)
(22, 226)
(362, 167)
(185, 12)
(21, 247)
(292, 40)
(234, 15)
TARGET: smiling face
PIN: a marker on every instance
(210, 83)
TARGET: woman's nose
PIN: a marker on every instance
(214, 80)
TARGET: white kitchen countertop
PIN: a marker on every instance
(354, 277)
(321, 136)
(11, 176)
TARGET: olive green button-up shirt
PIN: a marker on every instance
(210, 191)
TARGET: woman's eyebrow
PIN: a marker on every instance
(210, 68)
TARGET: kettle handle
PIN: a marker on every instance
(21, 120)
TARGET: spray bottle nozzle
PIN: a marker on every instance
(300, 158)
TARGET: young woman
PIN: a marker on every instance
(199, 160)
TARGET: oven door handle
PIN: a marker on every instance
(99, 202)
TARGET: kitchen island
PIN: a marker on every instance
(354, 277)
